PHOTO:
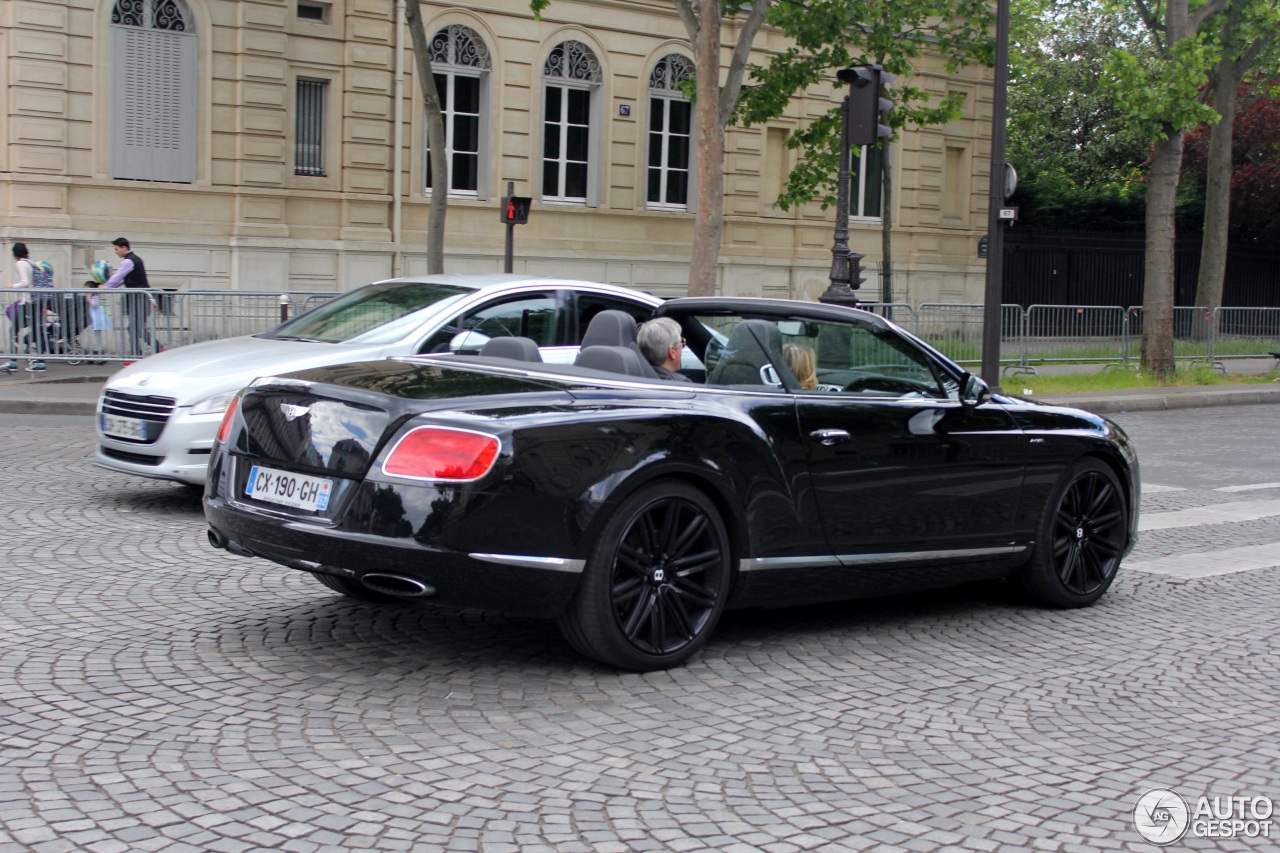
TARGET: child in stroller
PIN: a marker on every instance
(66, 317)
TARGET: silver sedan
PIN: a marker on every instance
(158, 417)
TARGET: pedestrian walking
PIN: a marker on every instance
(99, 320)
(26, 316)
(132, 274)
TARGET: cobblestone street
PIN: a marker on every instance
(156, 694)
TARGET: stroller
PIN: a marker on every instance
(66, 316)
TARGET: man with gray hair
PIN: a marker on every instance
(661, 343)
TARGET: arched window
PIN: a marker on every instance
(571, 85)
(460, 62)
(670, 132)
(153, 91)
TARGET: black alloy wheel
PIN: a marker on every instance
(352, 588)
(1081, 537)
(656, 582)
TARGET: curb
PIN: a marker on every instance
(1165, 402)
(49, 407)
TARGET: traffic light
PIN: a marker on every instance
(515, 209)
(865, 103)
(856, 277)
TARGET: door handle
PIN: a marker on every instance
(829, 437)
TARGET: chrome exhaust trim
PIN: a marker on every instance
(397, 585)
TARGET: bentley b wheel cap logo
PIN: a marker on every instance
(292, 412)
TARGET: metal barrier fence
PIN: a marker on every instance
(1193, 334)
(956, 330)
(122, 324)
(1073, 333)
(1245, 332)
(75, 325)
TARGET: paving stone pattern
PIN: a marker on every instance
(158, 695)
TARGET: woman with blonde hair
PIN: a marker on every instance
(803, 364)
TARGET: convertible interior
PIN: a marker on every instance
(749, 354)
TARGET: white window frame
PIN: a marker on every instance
(461, 53)
(663, 93)
(582, 75)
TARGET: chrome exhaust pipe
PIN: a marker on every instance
(219, 540)
(397, 585)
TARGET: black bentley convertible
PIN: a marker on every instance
(818, 453)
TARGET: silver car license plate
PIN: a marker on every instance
(117, 426)
(287, 489)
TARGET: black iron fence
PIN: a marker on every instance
(1103, 269)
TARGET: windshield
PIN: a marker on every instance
(374, 314)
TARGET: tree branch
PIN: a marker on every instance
(741, 53)
(1208, 10)
(1150, 20)
(689, 17)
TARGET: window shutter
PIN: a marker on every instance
(153, 110)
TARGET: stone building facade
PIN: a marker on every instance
(280, 145)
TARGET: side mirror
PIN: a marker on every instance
(974, 392)
(467, 343)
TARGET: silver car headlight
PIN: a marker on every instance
(213, 405)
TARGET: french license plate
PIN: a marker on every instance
(122, 427)
(287, 489)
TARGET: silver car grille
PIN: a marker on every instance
(136, 406)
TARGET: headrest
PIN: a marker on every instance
(521, 349)
(750, 334)
(610, 328)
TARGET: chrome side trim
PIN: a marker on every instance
(555, 564)
(753, 564)
(758, 563)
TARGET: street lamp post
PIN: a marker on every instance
(860, 117)
(843, 260)
(993, 294)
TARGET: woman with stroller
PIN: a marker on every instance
(25, 315)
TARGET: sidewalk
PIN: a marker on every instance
(73, 390)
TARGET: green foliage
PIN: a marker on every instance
(1161, 93)
(1060, 121)
(1082, 149)
(1255, 163)
(1053, 201)
(1116, 380)
(834, 34)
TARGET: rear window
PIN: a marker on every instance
(375, 314)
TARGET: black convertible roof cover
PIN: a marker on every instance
(771, 309)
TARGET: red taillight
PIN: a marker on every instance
(437, 453)
(224, 428)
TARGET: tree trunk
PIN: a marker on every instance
(886, 226)
(1158, 282)
(708, 224)
(435, 139)
(1217, 194)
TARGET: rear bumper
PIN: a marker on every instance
(524, 586)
